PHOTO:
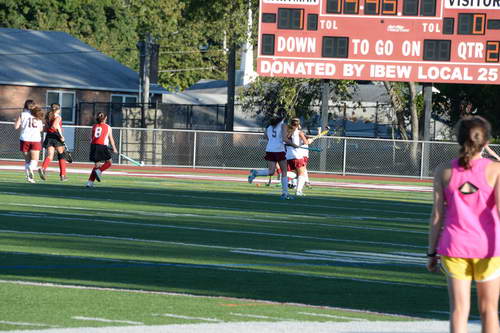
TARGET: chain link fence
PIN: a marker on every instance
(239, 150)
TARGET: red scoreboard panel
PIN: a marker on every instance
(451, 41)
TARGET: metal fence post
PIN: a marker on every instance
(120, 146)
(422, 157)
(344, 157)
(194, 149)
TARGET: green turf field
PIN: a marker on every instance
(334, 249)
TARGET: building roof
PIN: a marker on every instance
(56, 59)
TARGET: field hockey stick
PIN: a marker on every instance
(136, 163)
(308, 148)
(323, 133)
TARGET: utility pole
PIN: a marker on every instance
(325, 101)
(145, 50)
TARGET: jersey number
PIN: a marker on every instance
(32, 123)
(98, 132)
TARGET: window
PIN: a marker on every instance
(67, 102)
(267, 44)
(335, 47)
(124, 99)
(291, 18)
(437, 50)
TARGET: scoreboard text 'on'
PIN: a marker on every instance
(451, 41)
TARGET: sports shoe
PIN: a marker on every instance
(98, 175)
(30, 180)
(63, 178)
(41, 173)
(285, 196)
(299, 194)
(252, 176)
(89, 184)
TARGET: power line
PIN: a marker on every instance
(185, 69)
(193, 51)
(63, 52)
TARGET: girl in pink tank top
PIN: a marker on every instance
(464, 232)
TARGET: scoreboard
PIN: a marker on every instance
(450, 41)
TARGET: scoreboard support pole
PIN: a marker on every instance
(325, 102)
(427, 91)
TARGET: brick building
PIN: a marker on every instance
(54, 67)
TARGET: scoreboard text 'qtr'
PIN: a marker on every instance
(453, 41)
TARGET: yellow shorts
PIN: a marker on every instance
(479, 270)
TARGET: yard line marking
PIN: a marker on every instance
(256, 202)
(257, 316)
(103, 320)
(239, 232)
(331, 316)
(17, 323)
(217, 217)
(171, 315)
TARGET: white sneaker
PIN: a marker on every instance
(30, 180)
(252, 176)
(299, 194)
(89, 184)
(98, 175)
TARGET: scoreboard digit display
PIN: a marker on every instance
(449, 41)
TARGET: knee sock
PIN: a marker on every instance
(92, 175)
(33, 164)
(300, 184)
(284, 184)
(46, 163)
(264, 172)
(105, 166)
(306, 176)
(27, 168)
(62, 167)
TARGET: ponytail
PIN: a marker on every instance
(37, 112)
(101, 116)
(473, 134)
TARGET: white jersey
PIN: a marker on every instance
(31, 128)
(294, 153)
(275, 138)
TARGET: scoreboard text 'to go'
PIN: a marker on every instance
(453, 41)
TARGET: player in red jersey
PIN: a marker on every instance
(99, 151)
(54, 141)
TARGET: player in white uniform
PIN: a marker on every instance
(295, 154)
(30, 125)
(275, 153)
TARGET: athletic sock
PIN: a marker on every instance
(46, 163)
(27, 169)
(306, 176)
(105, 166)
(284, 184)
(33, 165)
(62, 167)
(92, 175)
(300, 184)
(264, 172)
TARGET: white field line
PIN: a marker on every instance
(331, 316)
(146, 292)
(247, 201)
(172, 315)
(226, 231)
(103, 320)
(216, 217)
(238, 179)
(256, 316)
(17, 323)
(234, 268)
(278, 327)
